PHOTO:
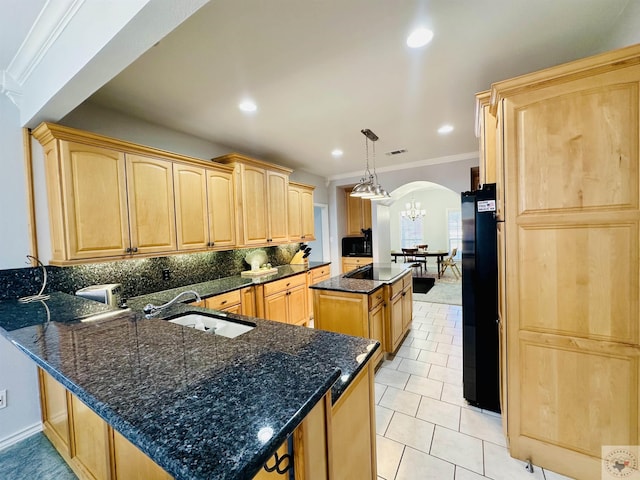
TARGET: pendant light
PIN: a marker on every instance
(369, 187)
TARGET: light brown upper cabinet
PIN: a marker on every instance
(358, 213)
(261, 199)
(301, 226)
(152, 222)
(568, 139)
(205, 209)
(486, 133)
(103, 202)
(108, 198)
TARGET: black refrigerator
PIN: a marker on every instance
(480, 354)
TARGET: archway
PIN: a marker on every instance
(439, 228)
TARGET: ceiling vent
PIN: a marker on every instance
(396, 152)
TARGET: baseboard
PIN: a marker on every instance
(20, 435)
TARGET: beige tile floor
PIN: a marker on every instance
(425, 429)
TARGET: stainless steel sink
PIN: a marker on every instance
(213, 324)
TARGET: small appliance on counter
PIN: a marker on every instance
(110, 293)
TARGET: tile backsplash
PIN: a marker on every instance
(138, 276)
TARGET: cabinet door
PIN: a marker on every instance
(151, 204)
(354, 214)
(222, 213)
(95, 199)
(275, 307)
(307, 215)
(396, 306)
(277, 200)
(341, 312)
(353, 442)
(53, 401)
(248, 301)
(407, 308)
(132, 464)
(295, 215)
(298, 313)
(192, 224)
(366, 213)
(572, 245)
(90, 448)
(254, 205)
(376, 326)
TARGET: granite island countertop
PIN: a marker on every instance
(199, 405)
(381, 273)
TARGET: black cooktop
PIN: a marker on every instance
(377, 271)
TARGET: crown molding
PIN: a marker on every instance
(50, 23)
(10, 88)
(404, 166)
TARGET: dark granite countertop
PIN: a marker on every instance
(386, 273)
(200, 405)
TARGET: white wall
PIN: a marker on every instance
(97, 119)
(14, 240)
(18, 376)
(436, 202)
(454, 176)
(17, 372)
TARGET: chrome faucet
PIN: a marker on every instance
(151, 309)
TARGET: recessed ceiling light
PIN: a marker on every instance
(419, 38)
(337, 153)
(444, 129)
(248, 106)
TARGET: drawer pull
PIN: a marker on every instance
(223, 302)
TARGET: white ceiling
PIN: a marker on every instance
(322, 70)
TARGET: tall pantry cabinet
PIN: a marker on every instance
(567, 148)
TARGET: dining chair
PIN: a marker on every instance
(411, 259)
(450, 262)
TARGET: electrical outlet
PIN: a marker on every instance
(166, 274)
(3, 398)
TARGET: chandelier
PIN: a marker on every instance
(368, 187)
(413, 211)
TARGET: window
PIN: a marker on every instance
(454, 230)
(410, 232)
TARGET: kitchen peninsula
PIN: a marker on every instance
(197, 404)
(374, 301)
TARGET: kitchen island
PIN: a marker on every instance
(374, 301)
(198, 405)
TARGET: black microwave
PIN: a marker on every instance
(356, 247)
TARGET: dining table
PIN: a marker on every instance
(439, 254)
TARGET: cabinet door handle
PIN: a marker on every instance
(135, 250)
(128, 250)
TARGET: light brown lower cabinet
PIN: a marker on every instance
(91, 448)
(353, 263)
(357, 314)
(284, 300)
(332, 442)
(400, 311)
(241, 302)
(316, 275)
(353, 428)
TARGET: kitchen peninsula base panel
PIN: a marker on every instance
(332, 442)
